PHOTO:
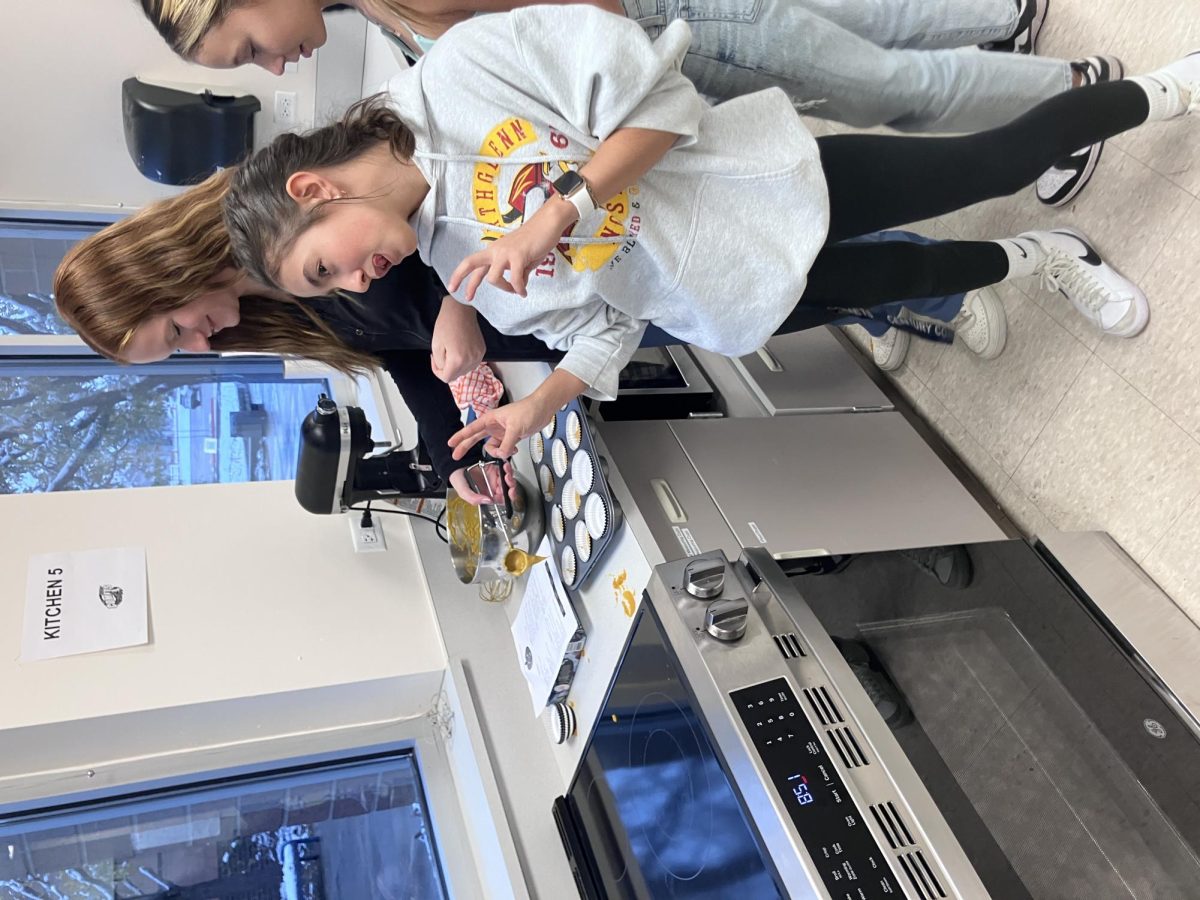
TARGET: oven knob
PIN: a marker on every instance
(726, 619)
(704, 578)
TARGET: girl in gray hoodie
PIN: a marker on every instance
(557, 170)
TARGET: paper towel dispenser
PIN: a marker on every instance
(181, 137)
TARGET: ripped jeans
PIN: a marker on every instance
(864, 62)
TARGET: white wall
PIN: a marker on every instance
(61, 67)
(263, 621)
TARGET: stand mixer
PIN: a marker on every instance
(334, 472)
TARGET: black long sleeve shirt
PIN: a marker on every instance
(394, 320)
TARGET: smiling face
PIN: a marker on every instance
(188, 328)
(268, 33)
(350, 245)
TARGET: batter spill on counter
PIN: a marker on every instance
(624, 596)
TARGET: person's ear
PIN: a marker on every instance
(307, 188)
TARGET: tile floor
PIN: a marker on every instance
(1069, 429)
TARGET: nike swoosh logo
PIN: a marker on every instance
(1090, 256)
(1021, 250)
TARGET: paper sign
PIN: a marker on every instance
(547, 636)
(84, 601)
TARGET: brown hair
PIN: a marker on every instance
(166, 255)
(263, 221)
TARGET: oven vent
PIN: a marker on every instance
(822, 704)
(788, 645)
(847, 748)
(888, 818)
(923, 880)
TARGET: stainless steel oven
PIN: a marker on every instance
(851, 728)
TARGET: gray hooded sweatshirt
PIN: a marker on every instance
(713, 245)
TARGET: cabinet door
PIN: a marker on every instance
(837, 483)
(670, 497)
(809, 372)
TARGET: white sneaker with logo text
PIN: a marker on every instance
(1099, 292)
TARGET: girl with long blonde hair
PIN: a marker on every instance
(862, 62)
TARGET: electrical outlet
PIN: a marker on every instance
(285, 107)
(367, 540)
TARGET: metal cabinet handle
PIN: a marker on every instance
(666, 499)
(769, 360)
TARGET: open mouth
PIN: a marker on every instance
(381, 264)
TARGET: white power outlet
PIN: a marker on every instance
(285, 107)
(367, 540)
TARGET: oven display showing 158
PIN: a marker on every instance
(847, 857)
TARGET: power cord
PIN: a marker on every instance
(439, 527)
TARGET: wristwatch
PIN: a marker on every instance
(575, 190)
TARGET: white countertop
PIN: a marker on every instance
(530, 770)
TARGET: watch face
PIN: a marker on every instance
(568, 183)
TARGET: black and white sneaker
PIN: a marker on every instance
(1061, 184)
(1031, 16)
(1099, 292)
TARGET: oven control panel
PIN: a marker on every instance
(846, 855)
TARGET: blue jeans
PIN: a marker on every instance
(864, 62)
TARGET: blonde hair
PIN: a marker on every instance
(263, 220)
(183, 24)
(389, 13)
(165, 256)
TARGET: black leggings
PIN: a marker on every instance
(882, 181)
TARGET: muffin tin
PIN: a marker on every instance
(580, 508)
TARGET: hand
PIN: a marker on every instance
(503, 427)
(457, 346)
(458, 481)
(516, 252)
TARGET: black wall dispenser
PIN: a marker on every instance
(181, 137)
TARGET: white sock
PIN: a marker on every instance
(1168, 98)
(1024, 256)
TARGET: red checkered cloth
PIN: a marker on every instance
(479, 389)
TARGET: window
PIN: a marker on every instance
(70, 420)
(349, 831)
(29, 253)
(79, 423)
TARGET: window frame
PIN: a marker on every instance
(206, 768)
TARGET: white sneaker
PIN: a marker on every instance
(981, 325)
(1100, 293)
(890, 350)
(1175, 88)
